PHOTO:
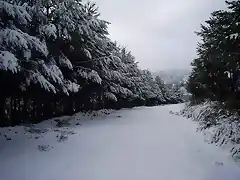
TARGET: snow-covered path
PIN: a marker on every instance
(142, 144)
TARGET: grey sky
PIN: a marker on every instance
(159, 33)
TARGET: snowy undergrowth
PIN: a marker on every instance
(45, 134)
(219, 126)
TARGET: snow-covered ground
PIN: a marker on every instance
(130, 144)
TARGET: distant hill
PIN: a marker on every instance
(174, 76)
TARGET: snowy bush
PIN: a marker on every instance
(222, 126)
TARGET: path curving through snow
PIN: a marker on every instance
(131, 144)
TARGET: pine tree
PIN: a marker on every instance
(215, 74)
(59, 50)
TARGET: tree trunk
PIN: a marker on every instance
(2, 109)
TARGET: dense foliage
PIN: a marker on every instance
(215, 79)
(56, 58)
(216, 71)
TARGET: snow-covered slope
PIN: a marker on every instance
(130, 144)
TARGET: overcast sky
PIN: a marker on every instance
(159, 33)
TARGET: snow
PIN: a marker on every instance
(117, 89)
(131, 144)
(13, 38)
(8, 62)
(49, 30)
(65, 62)
(88, 54)
(234, 36)
(16, 39)
(53, 72)
(116, 76)
(27, 54)
(93, 75)
(72, 86)
(90, 75)
(37, 77)
(110, 96)
(16, 12)
(220, 126)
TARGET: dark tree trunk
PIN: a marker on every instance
(2, 110)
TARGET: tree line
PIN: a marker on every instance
(56, 59)
(216, 71)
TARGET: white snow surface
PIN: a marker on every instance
(131, 144)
